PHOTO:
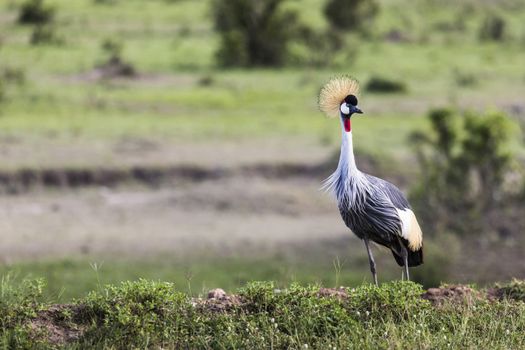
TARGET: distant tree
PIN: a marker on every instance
(351, 14)
(492, 28)
(253, 32)
(463, 161)
(36, 12)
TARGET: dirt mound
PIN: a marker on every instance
(453, 293)
(333, 292)
(218, 301)
(55, 324)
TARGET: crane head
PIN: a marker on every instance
(338, 98)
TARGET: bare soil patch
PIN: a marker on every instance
(454, 293)
(59, 324)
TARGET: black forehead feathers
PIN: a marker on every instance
(351, 99)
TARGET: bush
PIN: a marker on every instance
(463, 162)
(514, 290)
(385, 85)
(115, 65)
(135, 314)
(35, 12)
(13, 75)
(492, 28)
(351, 14)
(253, 33)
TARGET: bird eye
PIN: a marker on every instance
(351, 99)
(345, 109)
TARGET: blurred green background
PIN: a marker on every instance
(180, 140)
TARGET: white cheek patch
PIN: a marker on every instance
(345, 109)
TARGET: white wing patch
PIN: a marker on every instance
(410, 229)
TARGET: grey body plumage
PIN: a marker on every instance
(374, 209)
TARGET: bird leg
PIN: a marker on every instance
(404, 255)
(371, 260)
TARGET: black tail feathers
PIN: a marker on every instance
(414, 258)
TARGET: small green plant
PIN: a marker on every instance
(514, 290)
(385, 85)
(36, 12)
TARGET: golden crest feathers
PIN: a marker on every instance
(334, 92)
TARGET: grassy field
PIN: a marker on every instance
(181, 108)
(180, 94)
(264, 315)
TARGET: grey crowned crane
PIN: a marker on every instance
(374, 209)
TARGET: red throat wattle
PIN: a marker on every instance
(348, 126)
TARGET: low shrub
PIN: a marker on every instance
(134, 314)
(44, 34)
(13, 75)
(19, 303)
(385, 85)
(514, 290)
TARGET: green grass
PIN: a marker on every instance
(69, 278)
(172, 43)
(196, 273)
(146, 314)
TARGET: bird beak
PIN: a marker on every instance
(355, 109)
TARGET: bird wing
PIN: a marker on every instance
(410, 229)
(393, 193)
